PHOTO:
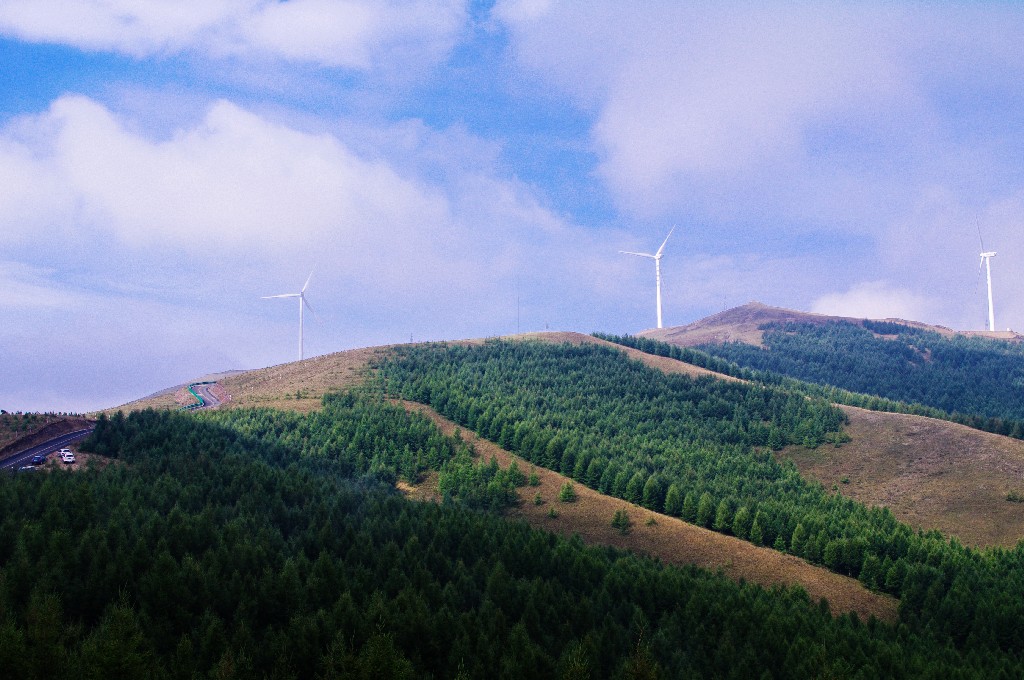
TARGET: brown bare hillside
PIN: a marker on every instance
(741, 324)
(296, 386)
(670, 539)
(932, 474)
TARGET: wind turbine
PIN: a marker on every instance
(986, 259)
(657, 267)
(302, 302)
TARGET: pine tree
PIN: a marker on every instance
(741, 523)
(756, 534)
(621, 521)
(673, 501)
(798, 540)
(705, 510)
(723, 516)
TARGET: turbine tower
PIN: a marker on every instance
(302, 303)
(986, 259)
(657, 267)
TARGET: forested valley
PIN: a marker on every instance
(258, 543)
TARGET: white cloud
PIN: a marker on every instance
(184, 233)
(234, 181)
(875, 300)
(731, 109)
(356, 34)
(868, 138)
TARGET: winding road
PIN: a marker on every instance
(203, 391)
(17, 460)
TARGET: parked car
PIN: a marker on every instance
(67, 456)
(38, 459)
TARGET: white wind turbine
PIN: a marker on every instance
(302, 302)
(657, 267)
(986, 259)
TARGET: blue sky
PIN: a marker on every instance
(451, 169)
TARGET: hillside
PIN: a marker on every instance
(263, 543)
(743, 324)
(300, 385)
(969, 378)
(930, 473)
(668, 538)
(655, 438)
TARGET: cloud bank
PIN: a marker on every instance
(352, 34)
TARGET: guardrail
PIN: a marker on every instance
(201, 403)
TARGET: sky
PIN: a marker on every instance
(454, 169)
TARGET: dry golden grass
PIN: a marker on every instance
(15, 426)
(668, 538)
(932, 474)
(297, 386)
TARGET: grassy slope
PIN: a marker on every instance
(741, 324)
(671, 539)
(932, 474)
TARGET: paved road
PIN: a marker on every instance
(19, 459)
(206, 396)
(203, 390)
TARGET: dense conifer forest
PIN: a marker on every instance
(954, 380)
(637, 433)
(256, 543)
(971, 376)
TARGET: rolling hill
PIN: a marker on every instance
(930, 473)
(745, 324)
(668, 459)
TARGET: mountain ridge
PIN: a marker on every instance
(742, 324)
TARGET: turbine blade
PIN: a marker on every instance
(307, 282)
(629, 252)
(309, 307)
(666, 240)
(268, 297)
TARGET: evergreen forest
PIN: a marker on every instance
(966, 380)
(252, 543)
(963, 375)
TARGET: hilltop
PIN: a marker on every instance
(932, 474)
(743, 324)
(300, 385)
